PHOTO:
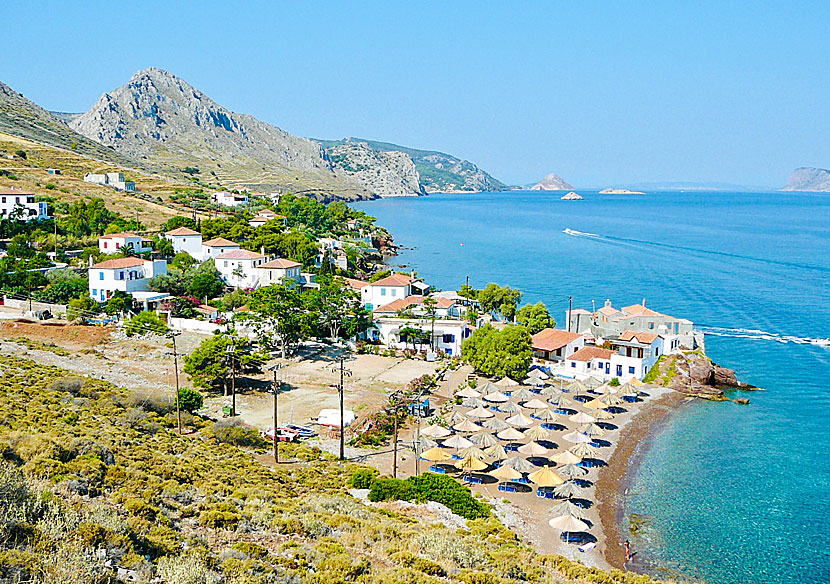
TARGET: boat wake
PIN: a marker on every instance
(759, 335)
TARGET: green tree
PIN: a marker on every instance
(82, 308)
(164, 246)
(535, 317)
(209, 365)
(500, 299)
(499, 353)
(119, 302)
(190, 400)
(145, 322)
(205, 281)
(179, 221)
(279, 316)
(338, 309)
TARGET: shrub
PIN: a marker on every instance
(190, 400)
(428, 487)
(615, 382)
(69, 385)
(234, 431)
(251, 550)
(21, 154)
(362, 478)
(221, 516)
(145, 322)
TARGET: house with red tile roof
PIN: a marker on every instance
(279, 271)
(237, 267)
(128, 274)
(217, 246)
(117, 242)
(554, 344)
(185, 240)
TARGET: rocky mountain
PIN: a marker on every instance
(25, 119)
(551, 182)
(160, 118)
(386, 174)
(809, 179)
(439, 172)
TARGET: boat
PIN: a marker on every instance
(821, 342)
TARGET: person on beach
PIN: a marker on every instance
(627, 551)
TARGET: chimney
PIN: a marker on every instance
(644, 302)
(607, 302)
(262, 251)
(90, 261)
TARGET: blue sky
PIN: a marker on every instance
(600, 93)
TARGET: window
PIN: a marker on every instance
(656, 351)
(394, 292)
(651, 325)
(383, 291)
(117, 245)
(619, 370)
(449, 338)
(105, 245)
(120, 275)
(573, 364)
(631, 370)
(95, 292)
(226, 264)
(100, 275)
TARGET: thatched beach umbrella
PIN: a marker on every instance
(519, 420)
(471, 463)
(568, 490)
(545, 477)
(467, 426)
(611, 399)
(506, 473)
(456, 417)
(496, 397)
(484, 439)
(507, 382)
(545, 415)
(536, 375)
(550, 390)
(436, 455)
(497, 451)
(572, 471)
(425, 443)
(468, 392)
(603, 415)
(510, 408)
(568, 508)
(510, 434)
(520, 464)
(480, 413)
(585, 451)
(533, 449)
(595, 404)
(582, 418)
(535, 404)
(474, 451)
(567, 523)
(456, 442)
(559, 401)
(592, 382)
(576, 386)
(538, 433)
(566, 457)
(522, 394)
(435, 431)
(576, 437)
(592, 430)
(474, 402)
(495, 424)
(490, 387)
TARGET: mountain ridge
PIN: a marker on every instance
(808, 178)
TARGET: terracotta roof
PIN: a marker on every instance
(356, 284)
(640, 337)
(608, 310)
(220, 242)
(580, 311)
(119, 263)
(552, 339)
(393, 280)
(279, 263)
(444, 302)
(182, 231)
(240, 254)
(588, 353)
(640, 310)
(400, 304)
(121, 235)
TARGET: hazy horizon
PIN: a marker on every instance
(602, 96)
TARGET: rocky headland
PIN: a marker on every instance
(808, 179)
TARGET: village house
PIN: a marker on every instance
(589, 361)
(117, 242)
(554, 345)
(385, 290)
(186, 240)
(126, 274)
(227, 199)
(279, 271)
(110, 179)
(447, 334)
(416, 304)
(237, 267)
(636, 353)
(215, 247)
(21, 205)
(264, 217)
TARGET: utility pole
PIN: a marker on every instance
(277, 387)
(570, 306)
(341, 388)
(395, 438)
(176, 369)
(232, 352)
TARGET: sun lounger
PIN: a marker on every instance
(437, 469)
(507, 488)
(571, 537)
(587, 547)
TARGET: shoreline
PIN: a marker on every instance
(616, 478)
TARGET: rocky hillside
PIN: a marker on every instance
(160, 118)
(439, 172)
(25, 119)
(551, 182)
(809, 179)
(385, 174)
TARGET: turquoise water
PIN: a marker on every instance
(735, 494)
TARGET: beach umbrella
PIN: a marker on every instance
(436, 455)
(592, 382)
(592, 430)
(490, 387)
(566, 457)
(545, 415)
(456, 417)
(484, 439)
(568, 523)
(538, 433)
(480, 412)
(535, 404)
(510, 434)
(533, 449)
(568, 508)
(537, 375)
(571, 471)
(506, 473)
(611, 399)
(474, 402)
(522, 394)
(581, 418)
(603, 415)
(559, 401)
(435, 431)
(506, 382)
(550, 390)
(585, 450)
(567, 490)
(545, 477)
(472, 463)
(472, 451)
(595, 404)
(467, 426)
(636, 382)
(520, 464)
(510, 408)
(497, 451)
(456, 442)
(575, 386)
(495, 424)
(425, 443)
(468, 392)
(576, 437)
(519, 420)
(496, 397)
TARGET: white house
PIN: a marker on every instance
(589, 361)
(554, 344)
(264, 217)
(229, 199)
(186, 240)
(384, 291)
(110, 179)
(216, 247)
(125, 274)
(21, 205)
(279, 271)
(116, 242)
(637, 352)
(447, 334)
(237, 267)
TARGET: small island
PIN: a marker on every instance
(572, 196)
(620, 192)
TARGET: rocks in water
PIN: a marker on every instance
(572, 196)
(741, 400)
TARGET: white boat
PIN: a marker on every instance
(821, 342)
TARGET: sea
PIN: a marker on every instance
(725, 493)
